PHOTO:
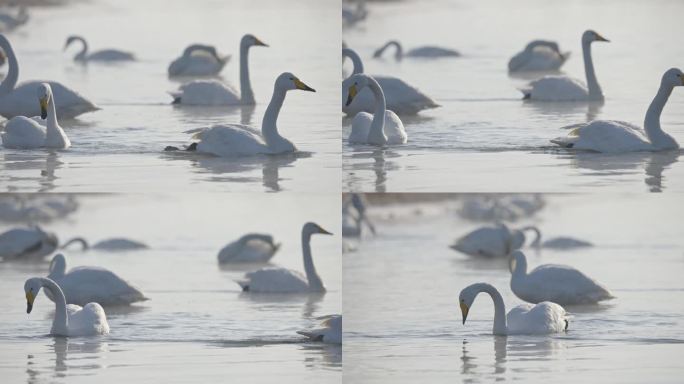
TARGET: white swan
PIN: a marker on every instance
(281, 280)
(26, 243)
(383, 127)
(250, 248)
(525, 319)
(564, 88)
(70, 320)
(241, 140)
(198, 60)
(425, 52)
(612, 136)
(101, 55)
(22, 132)
(538, 55)
(558, 283)
(494, 241)
(353, 219)
(85, 284)
(500, 208)
(214, 92)
(400, 97)
(329, 331)
(564, 242)
(114, 244)
(21, 101)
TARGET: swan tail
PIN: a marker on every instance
(527, 93)
(563, 142)
(176, 97)
(311, 335)
(244, 284)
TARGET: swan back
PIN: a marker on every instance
(27, 242)
(543, 318)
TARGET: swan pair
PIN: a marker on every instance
(281, 280)
(425, 52)
(20, 100)
(198, 60)
(105, 55)
(538, 55)
(494, 241)
(250, 248)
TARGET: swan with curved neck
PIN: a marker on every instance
(213, 92)
(563, 88)
(543, 318)
(281, 280)
(557, 283)
(69, 320)
(424, 52)
(495, 241)
(538, 55)
(198, 60)
(400, 97)
(22, 132)
(367, 129)
(102, 55)
(20, 100)
(613, 136)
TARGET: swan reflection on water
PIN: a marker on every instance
(87, 357)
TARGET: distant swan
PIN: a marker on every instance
(611, 136)
(281, 280)
(352, 220)
(214, 92)
(21, 101)
(329, 331)
(557, 283)
(102, 55)
(85, 284)
(352, 15)
(400, 97)
(564, 242)
(425, 52)
(22, 132)
(538, 55)
(383, 127)
(112, 245)
(27, 243)
(69, 320)
(494, 241)
(525, 319)
(198, 60)
(564, 88)
(9, 21)
(250, 248)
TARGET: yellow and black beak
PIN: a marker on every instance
(43, 107)
(352, 94)
(323, 231)
(29, 301)
(259, 43)
(681, 77)
(464, 311)
(300, 85)
(601, 38)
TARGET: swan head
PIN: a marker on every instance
(466, 299)
(673, 77)
(44, 96)
(32, 287)
(251, 40)
(357, 81)
(288, 82)
(70, 40)
(313, 228)
(590, 36)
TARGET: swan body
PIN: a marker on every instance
(240, 140)
(70, 320)
(329, 331)
(563, 88)
(281, 280)
(201, 92)
(525, 319)
(112, 245)
(611, 136)
(565, 243)
(250, 248)
(494, 241)
(352, 15)
(538, 55)
(85, 284)
(557, 283)
(198, 60)
(21, 100)
(22, 132)
(383, 127)
(26, 243)
(102, 55)
(425, 52)
(400, 97)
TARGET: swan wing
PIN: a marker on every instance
(610, 136)
(360, 128)
(119, 244)
(254, 250)
(22, 101)
(560, 284)
(207, 92)
(87, 321)
(197, 64)
(275, 280)
(543, 318)
(82, 285)
(557, 88)
(539, 59)
(17, 242)
(111, 55)
(231, 140)
(394, 129)
(565, 243)
(432, 52)
(23, 132)
(400, 97)
(485, 241)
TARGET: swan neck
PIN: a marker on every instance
(399, 53)
(376, 134)
(500, 327)
(593, 86)
(246, 94)
(269, 128)
(315, 283)
(84, 49)
(652, 120)
(537, 235)
(355, 58)
(60, 324)
(520, 265)
(12, 76)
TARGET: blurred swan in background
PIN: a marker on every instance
(101, 55)
(38, 208)
(82, 285)
(113, 245)
(612, 136)
(400, 97)
(30, 133)
(383, 127)
(27, 243)
(250, 248)
(198, 60)
(354, 216)
(353, 14)
(538, 55)
(495, 241)
(500, 208)
(565, 243)
(69, 320)
(10, 21)
(214, 92)
(281, 280)
(525, 319)
(21, 100)
(564, 88)
(329, 330)
(424, 52)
